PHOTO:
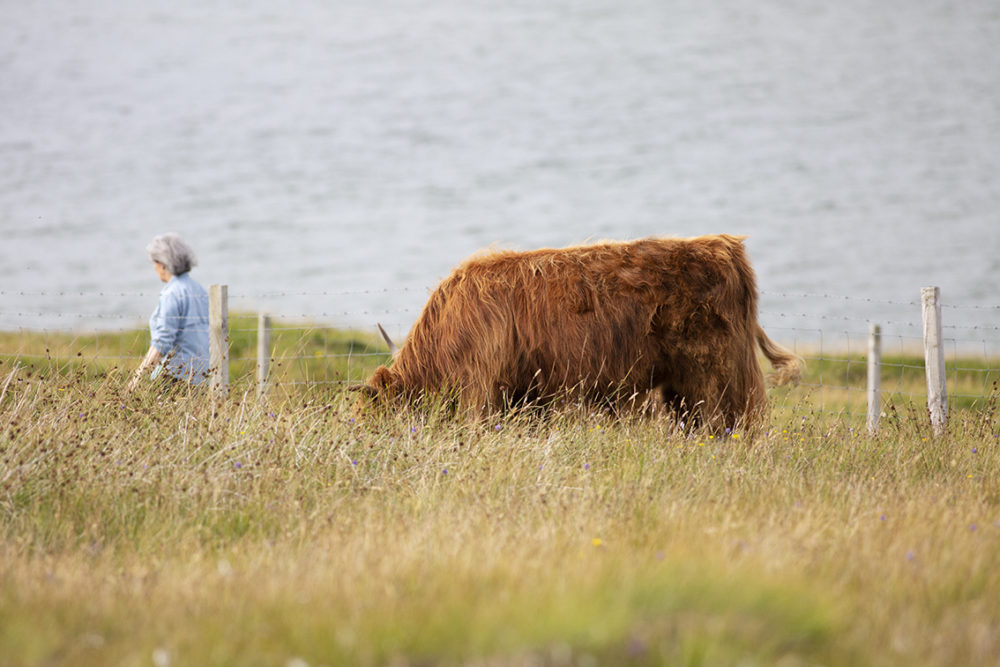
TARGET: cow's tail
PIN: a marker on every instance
(787, 366)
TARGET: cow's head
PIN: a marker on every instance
(378, 391)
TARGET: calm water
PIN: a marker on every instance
(345, 155)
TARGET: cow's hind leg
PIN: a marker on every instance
(701, 402)
(678, 406)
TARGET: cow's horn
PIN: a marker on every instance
(392, 346)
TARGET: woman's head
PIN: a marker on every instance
(170, 251)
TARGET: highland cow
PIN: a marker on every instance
(607, 322)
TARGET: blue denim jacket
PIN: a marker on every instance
(178, 328)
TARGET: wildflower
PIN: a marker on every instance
(586, 466)
(354, 462)
(497, 427)
(973, 528)
(910, 556)
(883, 517)
(975, 450)
(597, 541)
(636, 648)
(238, 465)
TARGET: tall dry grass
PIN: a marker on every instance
(168, 528)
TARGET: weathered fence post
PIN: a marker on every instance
(263, 352)
(937, 395)
(874, 377)
(218, 338)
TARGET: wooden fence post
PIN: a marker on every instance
(937, 394)
(263, 352)
(874, 377)
(218, 338)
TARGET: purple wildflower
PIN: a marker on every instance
(636, 648)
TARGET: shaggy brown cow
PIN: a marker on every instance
(610, 321)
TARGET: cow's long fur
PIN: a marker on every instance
(611, 321)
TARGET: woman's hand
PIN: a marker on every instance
(152, 358)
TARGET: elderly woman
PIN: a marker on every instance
(178, 328)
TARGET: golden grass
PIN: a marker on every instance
(171, 529)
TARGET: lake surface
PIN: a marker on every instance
(335, 160)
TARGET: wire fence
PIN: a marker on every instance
(330, 338)
(833, 334)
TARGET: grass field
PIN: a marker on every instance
(168, 528)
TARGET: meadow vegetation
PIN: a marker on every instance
(168, 527)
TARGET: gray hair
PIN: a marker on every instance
(173, 253)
